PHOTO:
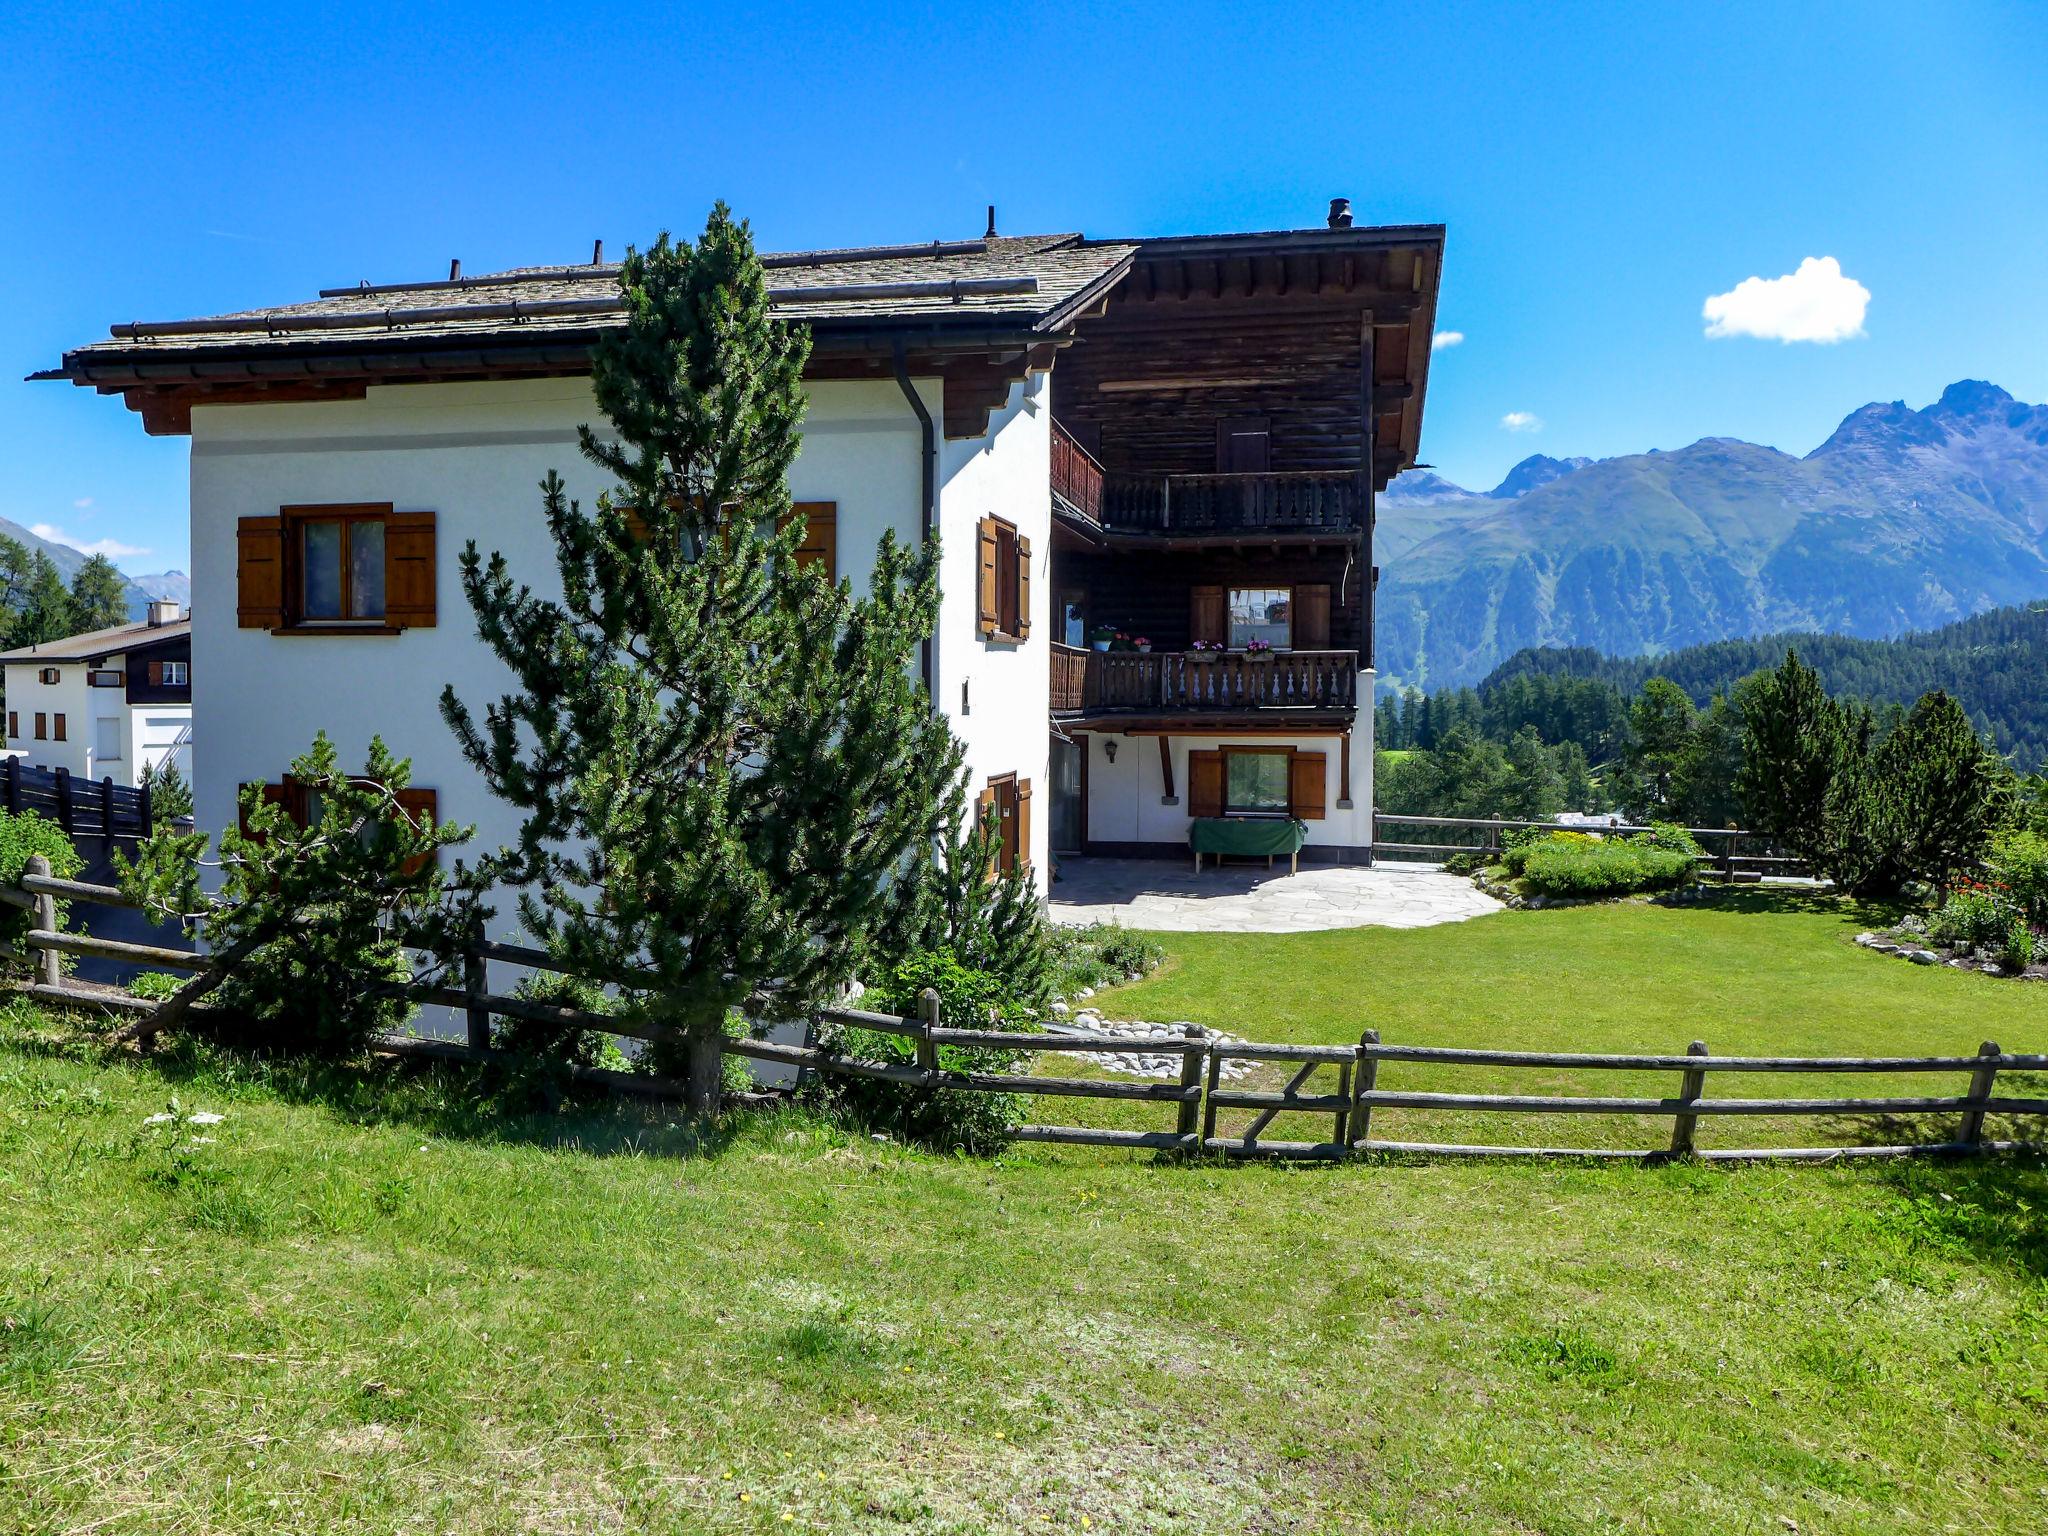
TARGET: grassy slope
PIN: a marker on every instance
(358, 1310)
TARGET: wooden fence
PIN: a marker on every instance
(1199, 1095)
(1730, 851)
(83, 808)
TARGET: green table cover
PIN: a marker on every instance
(1247, 835)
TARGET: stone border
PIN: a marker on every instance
(1919, 954)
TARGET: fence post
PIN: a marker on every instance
(928, 1020)
(48, 961)
(1683, 1125)
(1972, 1135)
(1192, 1051)
(1359, 1131)
(475, 986)
(64, 799)
(107, 809)
(148, 810)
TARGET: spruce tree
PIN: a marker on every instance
(45, 604)
(722, 760)
(99, 596)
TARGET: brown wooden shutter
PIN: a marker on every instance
(156, 674)
(259, 573)
(409, 570)
(59, 733)
(1205, 784)
(820, 546)
(1312, 616)
(990, 614)
(1307, 773)
(42, 726)
(1023, 630)
(1023, 823)
(1206, 616)
(422, 809)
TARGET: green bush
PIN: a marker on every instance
(1971, 917)
(1100, 955)
(1670, 837)
(2017, 952)
(21, 838)
(1517, 846)
(155, 985)
(1469, 863)
(968, 999)
(2019, 862)
(1602, 867)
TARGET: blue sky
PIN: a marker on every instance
(1603, 169)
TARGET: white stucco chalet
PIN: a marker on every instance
(343, 450)
(105, 704)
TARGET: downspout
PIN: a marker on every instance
(929, 486)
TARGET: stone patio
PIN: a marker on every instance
(1248, 898)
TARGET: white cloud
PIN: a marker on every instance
(1815, 303)
(113, 549)
(1444, 339)
(1521, 421)
(82, 503)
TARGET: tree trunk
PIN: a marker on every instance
(707, 1073)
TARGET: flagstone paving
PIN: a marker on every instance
(1169, 896)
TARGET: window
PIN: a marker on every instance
(58, 731)
(820, 543)
(42, 726)
(419, 806)
(49, 675)
(13, 725)
(336, 569)
(1005, 581)
(106, 733)
(1256, 782)
(1261, 613)
(106, 678)
(170, 674)
(1074, 619)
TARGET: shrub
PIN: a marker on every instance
(537, 1055)
(155, 985)
(2019, 862)
(1670, 837)
(1467, 863)
(21, 838)
(1101, 954)
(1517, 846)
(1606, 867)
(1971, 917)
(968, 999)
(2017, 952)
(170, 797)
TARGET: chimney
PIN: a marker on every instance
(455, 269)
(161, 614)
(991, 234)
(597, 253)
(1340, 213)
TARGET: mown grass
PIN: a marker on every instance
(365, 1305)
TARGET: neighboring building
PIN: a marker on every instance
(105, 704)
(1180, 437)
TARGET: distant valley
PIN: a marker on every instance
(1903, 519)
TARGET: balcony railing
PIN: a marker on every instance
(1076, 477)
(1172, 681)
(1304, 502)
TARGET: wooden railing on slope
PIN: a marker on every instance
(83, 808)
(1198, 1096)
(1278, 502)
(1207, 680)
(1725, 849)
(1076, 476)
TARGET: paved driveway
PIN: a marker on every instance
(1241, 898)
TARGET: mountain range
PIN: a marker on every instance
(1903, 519)
(162, 586)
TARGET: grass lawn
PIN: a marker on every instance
(357, 1306)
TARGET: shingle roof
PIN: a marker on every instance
(100, 642)
(1027, 283)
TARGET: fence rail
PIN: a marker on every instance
(1735, 853)
(1351, 1095)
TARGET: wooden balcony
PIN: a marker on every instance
(1076, 477)
(1201, 682)
(1196, 505)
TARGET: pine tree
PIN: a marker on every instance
(99, 596)
(722, 759)
(1793, 740)
(46, 604)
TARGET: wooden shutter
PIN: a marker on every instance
(273, 794)
(1312, 616)
(1205, 784)
(982, 802)
(156, 674)
(59, 732)
(422, 809)
(409, 570)
(986, 585)
(820, 546)
(42, 726)
(1023, 629)
(1307, 773)
(259, 573)
(1206, 620)
(1023, 823)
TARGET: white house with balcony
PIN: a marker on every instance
(106, 704)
